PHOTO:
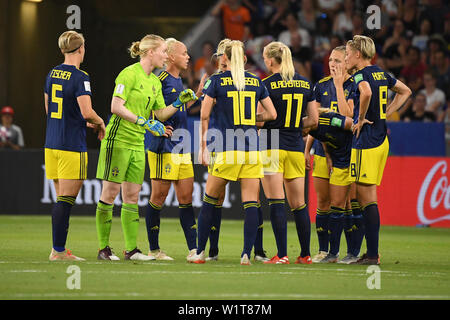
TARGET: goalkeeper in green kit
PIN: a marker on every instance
(121, 163)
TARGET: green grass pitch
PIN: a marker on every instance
(415, 264)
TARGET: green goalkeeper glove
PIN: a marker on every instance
(185, 96)
(154, 126)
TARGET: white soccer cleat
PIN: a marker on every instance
(137, 255)
(197, 258)
(66, 255)
(213, 258)
(158, 254)
(245, 261)
(320, 256)
(191, 254)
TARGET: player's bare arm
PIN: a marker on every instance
(46, 103)
(339, 75)
(364, 101)
(268, 113)
(312, 118)
(205, 113)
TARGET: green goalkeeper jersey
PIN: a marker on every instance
(142, 94)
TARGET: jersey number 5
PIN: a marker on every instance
(239, 99)
(58, 101)
(383, 101)
(289, 97)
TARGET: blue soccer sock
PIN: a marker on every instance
(372, 223)
(358, 228)
(259, 233)
(250, 226)
(348, 230)
(215, 231)
(279, 225)
(322, 217)
(335, 225)
(187, 221)
(60, 221)
(153, 221)
(303, 226)
(205, 218)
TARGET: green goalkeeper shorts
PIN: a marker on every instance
(119, 165)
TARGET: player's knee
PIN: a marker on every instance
(109, 195)
(323, 203)
(130, 197)
(185, 198)
(338, 203)
(158, 197)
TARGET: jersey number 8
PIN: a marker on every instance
(383, 101)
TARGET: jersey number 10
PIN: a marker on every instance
(239, 103)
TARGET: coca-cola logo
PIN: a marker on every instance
(436, 188)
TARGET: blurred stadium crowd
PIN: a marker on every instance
(413, 43)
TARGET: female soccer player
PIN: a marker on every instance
(170, 160)
(237, 157)
(370, 144)
(68, 107)
(217, 216)
(121, 163)
(284, 163)
(334, 92)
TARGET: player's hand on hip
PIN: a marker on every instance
(169, 131)
(185, 96)
(357, 127)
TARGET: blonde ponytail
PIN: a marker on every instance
(235, 53)
(282, 55)
(140, 48)
(287, 66)
(134, 49)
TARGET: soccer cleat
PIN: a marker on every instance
(213, 258)
(303, 260)
(348, 259)
(320, 256)
(158, 254)
(330, 258)
(191, 253)
(107, 254)
(261, 256)
(245, 260)
(197, 258)
(66, 255)
(137, 255)
(366, 260)
(277, 260)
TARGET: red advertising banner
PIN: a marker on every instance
(414, 191)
